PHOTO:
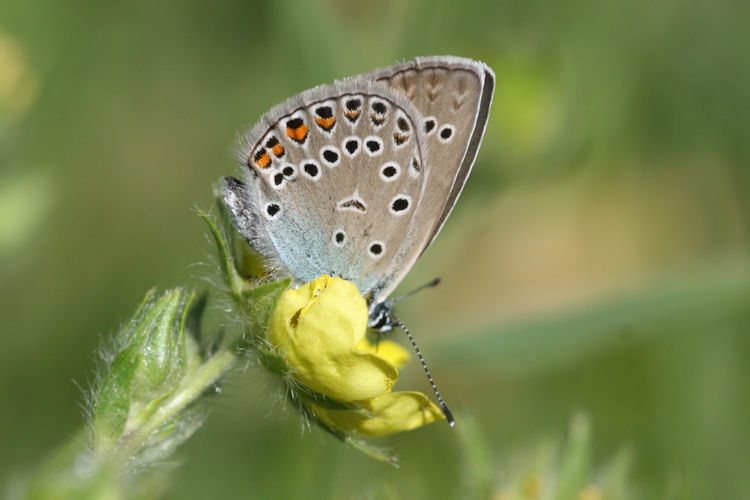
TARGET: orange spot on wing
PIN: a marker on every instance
(352, 115)
(326, 123)
(278, 150)
(299, 134)
(400, 138)
(263, 160)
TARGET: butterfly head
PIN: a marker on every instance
(381, 317)
(383, 320)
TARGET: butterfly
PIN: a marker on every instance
(356, 178)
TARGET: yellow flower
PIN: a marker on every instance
(320, 328)
(385, 414)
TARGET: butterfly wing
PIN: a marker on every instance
(356, 179)
(333, 180)
(453, 95)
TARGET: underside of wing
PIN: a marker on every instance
(453, 96)
(333, 180)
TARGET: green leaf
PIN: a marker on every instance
(617, 476)
(478, 469)
(162, 443)
(256, 302)
(358, 444)
(273, 362)
(161, 341)
(307, 394)
(262, 299)
(372, 451)
(147, 367)
(226, 260)
(575, 466)
(113, 399)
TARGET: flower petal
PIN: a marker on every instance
(386, 414)
(388, 349)
(319, 327)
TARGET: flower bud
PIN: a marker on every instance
(147, 366)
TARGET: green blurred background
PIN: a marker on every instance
(597, 262)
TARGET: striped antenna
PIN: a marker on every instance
(446, 410)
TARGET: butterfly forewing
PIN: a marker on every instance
(453, 95)
(336, 176)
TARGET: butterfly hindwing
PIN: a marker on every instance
(334, 179)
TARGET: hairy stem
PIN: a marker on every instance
(188, 391)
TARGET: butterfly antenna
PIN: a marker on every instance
(446, 410)
(432, 283)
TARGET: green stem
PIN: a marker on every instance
(371, 451)
(190, 389)
(226, 261)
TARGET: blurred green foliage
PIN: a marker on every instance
(597, 261)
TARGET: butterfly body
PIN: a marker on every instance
(355, 179)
